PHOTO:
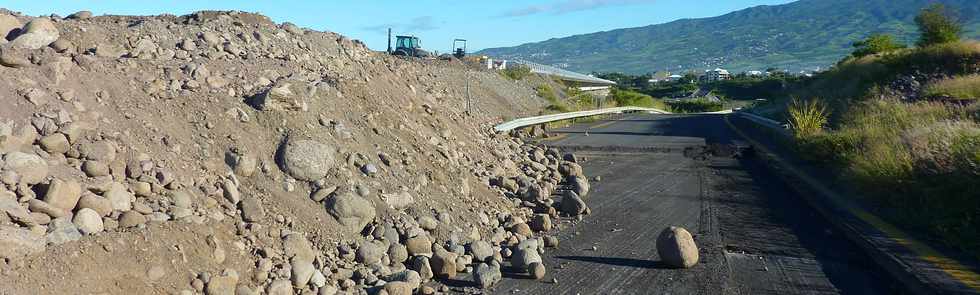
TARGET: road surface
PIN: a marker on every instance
(755, 235)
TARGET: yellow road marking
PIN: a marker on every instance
(953, 268)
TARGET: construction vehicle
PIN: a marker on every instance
(459, 52)
(407, 46)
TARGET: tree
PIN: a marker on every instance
(938, 26)
(874, 44)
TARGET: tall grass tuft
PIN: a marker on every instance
(807, 118)
(961, 88)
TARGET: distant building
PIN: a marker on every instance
(754, 73)
(717, 75)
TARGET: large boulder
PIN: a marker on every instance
(370, 252)
(486, 275)
(31, 168)
(307, 160)
(443, 263)
(676, 248)
(119, 197)
(63, 194)
(572, 204)
(481, 250)
(9, 26)
(525, 254)
(38, 33)
(580, 185)
(287, 95)
(88, 221)
(351, 211)
(16, 242)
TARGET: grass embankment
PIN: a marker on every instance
(915, 157)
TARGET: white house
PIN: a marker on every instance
(717, 74)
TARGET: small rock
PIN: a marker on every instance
(369, 169)
(62, 230)
(421, 265)
(522, 229)
(550, 241)
(351, 211)
(481, 251)
(419, 245)
(84, 14)
(31, 168)
(95, 168)
(302, 272)
(223, 285)
(370, 253)
(323, 193)
(398, 288)
(572, 204)
(541, 222)
(119, 197)
(398, 253)
(252, 210)
(91, 201)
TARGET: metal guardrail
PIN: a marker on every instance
(524, 122)
(766, 122)
(563, 74)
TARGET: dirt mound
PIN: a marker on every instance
(176, 132)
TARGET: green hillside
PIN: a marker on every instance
(802, 35)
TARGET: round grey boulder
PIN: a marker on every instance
(307, 159)
(38, 33)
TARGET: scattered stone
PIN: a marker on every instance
(279, 287)
(286, 95)
(419, 245)
(84, 14)
(131, 219)
(443, 263)
(399, 200)
(11, 57)
(302, 272)
(43, 207)
(307, 159)
(16, 243)
(550, 241)
(481, 251)
(103, 151)
(370, 253)
(323, 193)
(369, 169)
(55, 143)
(91, 201)
(252, 210)
(88, 221)
(541, 222)
(63, 194)
(224, 284)
(231, 192)
(421, 265)
(676, 248)
(31, 168)
(95, 168)
(351, 211)
(525, 254)
(572, 204)
(119, 197)
(486, 275)
(580, 185)
(62, 230)
(398, 288)
(522, 229)
(536, 270)
(397, 253)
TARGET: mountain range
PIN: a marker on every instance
(804, 35)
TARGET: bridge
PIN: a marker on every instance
(582, 81)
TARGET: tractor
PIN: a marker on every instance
(407, 46)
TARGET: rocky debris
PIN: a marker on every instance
(307, 159)
(252, 210)
(223, 284)
(397, 253)
(399, 200)
(9, 27)
(37, 33)
(119, 196)
(676, 247)
(481, 250)
(541, 222)
(84, 14)
(302, 271)
(131, 219)
(525, 253)
(421, 265)
(550, 241)
(62, 230)
(486, 275)
(370, 253)
(351, 211)
(419, 245)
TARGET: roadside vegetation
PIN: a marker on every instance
(516, 72)
(902, 127)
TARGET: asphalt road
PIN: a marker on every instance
(755, 235)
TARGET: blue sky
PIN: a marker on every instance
(484, 23)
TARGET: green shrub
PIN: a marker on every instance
(516, 72)
(636, 99)
(958, 88)
(876, 44)
(937, 26)
(695, 106)
(807, 118)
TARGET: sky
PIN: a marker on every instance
(484, 24)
